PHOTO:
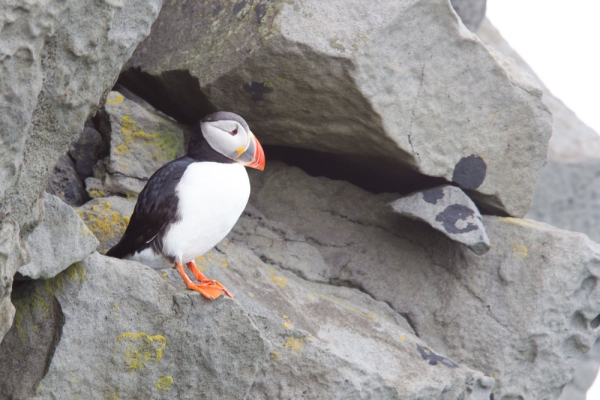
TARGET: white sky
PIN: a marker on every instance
(561, 42)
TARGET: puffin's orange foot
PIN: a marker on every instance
(210, 289)
(203, 279)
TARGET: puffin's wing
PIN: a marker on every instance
(156, 208)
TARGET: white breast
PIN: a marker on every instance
(212, 196)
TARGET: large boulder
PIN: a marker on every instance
(328, 341)
(107, 327)
(523, 313)
(400, 88)
(57, 59)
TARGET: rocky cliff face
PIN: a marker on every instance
(376, 259)
(59, 58)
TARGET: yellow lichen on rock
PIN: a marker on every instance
(294, 345)
(140, 348)
(165, 143)
(164, 383)
(104, 223)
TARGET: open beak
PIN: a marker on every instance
(253, 156)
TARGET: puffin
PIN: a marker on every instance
(190, 204)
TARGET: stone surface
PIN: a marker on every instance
(471, 12)
(523, 313)
(60, 240)
(141, 141)
(107, 218)
(327, 341)
(57, 59)
(320, 335)
(377, 69)
(449, 210)
(66, 184)
(112, 328)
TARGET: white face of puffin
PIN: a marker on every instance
(230, 138)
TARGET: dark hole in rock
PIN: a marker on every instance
(362, 171)
(595, 322)
(160, 91)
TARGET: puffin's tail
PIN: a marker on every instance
(119, 250)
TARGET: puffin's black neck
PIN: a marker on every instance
(200, 150)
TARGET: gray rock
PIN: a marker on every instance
(112, 328)
(523, 313)
(107, 218)
(471, 12)
(141, 141)
(449, 210)
(57, 60)
(66, 184)
(326, 341)
(87, 150)
(377, 68)
(60, 240)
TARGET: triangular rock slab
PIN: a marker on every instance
(449, 210)
(58, 241)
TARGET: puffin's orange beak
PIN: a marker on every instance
(253, 156)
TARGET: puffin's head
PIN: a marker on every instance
(228, 134)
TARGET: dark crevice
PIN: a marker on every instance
(28, 348)
(176, 93)
(361, 170)
(595, 322)
(59, 319)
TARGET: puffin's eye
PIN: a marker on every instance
(233, 132)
